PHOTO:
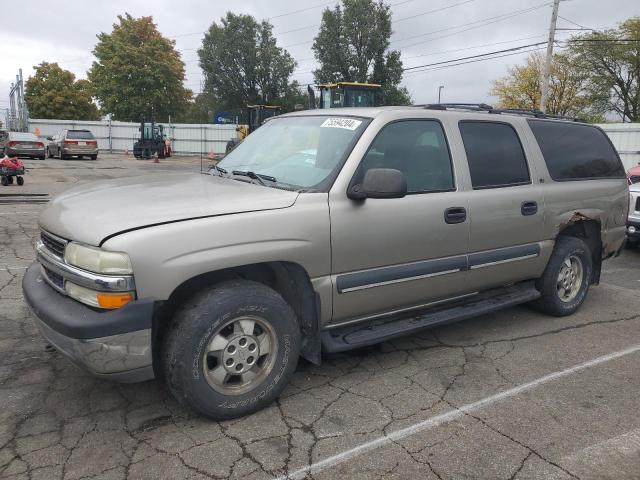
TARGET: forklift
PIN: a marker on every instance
(256, 116)
(344, 94)
(152, 141)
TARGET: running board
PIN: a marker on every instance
(356, 336)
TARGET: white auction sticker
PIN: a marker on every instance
(348, 123)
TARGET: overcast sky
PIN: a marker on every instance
(65, 32)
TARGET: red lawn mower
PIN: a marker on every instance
(9, 168)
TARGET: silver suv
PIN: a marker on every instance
(73, 143)
(324, 232)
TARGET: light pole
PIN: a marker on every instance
(440, 90)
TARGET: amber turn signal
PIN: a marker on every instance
(113, 300)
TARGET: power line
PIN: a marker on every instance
(520, 47)
(472, 25)
(472, 47)
(441, 67)
(447, 7)
(302, 10)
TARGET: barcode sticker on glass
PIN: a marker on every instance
(348, 123)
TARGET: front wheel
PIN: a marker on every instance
(565, 281)
(20, 181)
(231, 349)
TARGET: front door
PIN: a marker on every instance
(393, 254)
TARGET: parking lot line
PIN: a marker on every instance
(449, 416)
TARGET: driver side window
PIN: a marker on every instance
(418, 148)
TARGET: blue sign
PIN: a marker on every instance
(223, 117)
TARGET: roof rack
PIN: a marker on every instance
(483, 107)
(477, 107)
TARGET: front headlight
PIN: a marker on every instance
(97, 260)
(106, 300)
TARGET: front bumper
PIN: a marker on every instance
(114, 344)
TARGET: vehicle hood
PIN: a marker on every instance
(94, 211)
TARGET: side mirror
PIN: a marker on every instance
(49, 138)
(380, 183)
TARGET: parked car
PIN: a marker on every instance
(633, 222)
(3, 136)
(324, 232)
(73, 143)
(23, 144)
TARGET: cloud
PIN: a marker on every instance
(67, 33)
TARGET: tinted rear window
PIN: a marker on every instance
(80, 134)
(576, 152)
(495, 154)
(27, 137)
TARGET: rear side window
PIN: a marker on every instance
(576, 152)
(495, 155)
(80, 134)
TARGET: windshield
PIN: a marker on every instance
(303, 152)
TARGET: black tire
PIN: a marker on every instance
(20, 181)
(551, 301)
(208, 314)
(94, 157)
(63, 156)
(4, 181)
(10, 179)
(42, 157)
(49, 154)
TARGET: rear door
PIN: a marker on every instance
(393, 254)
(506, 206)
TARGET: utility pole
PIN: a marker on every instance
(547, 63)
(440, 90)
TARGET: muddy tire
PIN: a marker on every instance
(231, 349)
(565, 282)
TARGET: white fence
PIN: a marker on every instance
(626, 138)
(114, 136)
(206, 138)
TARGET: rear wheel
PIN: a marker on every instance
(10, 179)
(565, 281)
(231, 349)
(94, 157)
(4, 181)
(63, 156)
(20, 181)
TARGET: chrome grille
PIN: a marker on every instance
(54, 244)
(55, 279)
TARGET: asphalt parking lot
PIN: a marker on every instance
(514, 395)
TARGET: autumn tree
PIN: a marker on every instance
(610, 60)
(55, 93)
(521, 87)
(243, 65)
(138, 72)
(353, 46)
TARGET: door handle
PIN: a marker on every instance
(529, 208)
(455, 215)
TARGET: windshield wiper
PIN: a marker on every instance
(255, 176)
(218, 169)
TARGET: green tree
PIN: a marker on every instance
(55, 93)
(568, 95)
(199, 109)
(610, 61)
(243, 65)
(138, 72)
(353, 46)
